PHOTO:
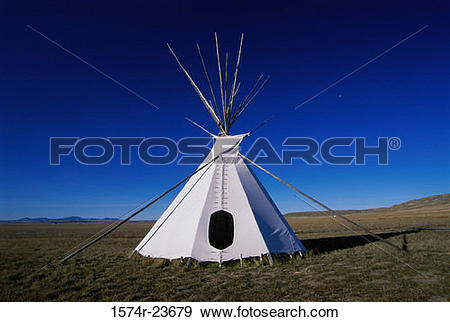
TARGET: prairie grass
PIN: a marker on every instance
(339, 267)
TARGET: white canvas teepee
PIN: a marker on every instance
(222, 213)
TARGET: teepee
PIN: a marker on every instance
(223, 212)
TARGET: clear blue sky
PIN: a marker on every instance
(303, 46)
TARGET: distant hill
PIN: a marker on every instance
(434, 201)
(437, 201)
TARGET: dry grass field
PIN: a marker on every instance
(339, 267)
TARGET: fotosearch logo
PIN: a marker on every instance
(193, 150)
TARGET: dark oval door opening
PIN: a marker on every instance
(221, 229)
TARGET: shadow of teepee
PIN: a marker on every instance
(329, 244)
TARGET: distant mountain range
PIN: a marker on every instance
(64, 219)
(440, 202)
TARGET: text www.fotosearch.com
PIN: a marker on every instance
(251, 312)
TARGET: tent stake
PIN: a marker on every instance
(269, 256)
(132, 253)
(189, 263)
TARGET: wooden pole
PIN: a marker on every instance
(106, 233)
(201, 127)
(238, 62)
(233, 107)
(261, 124)
(209, 81)
(322, 205)
(241, 106)
(251, 99)
(220, 76)
(225, 89)
(200, 94)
